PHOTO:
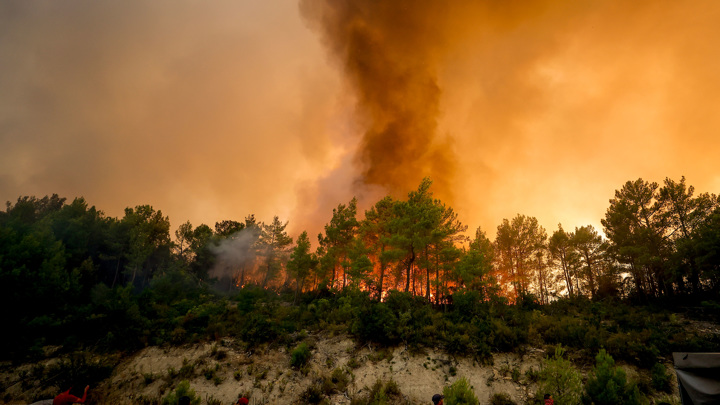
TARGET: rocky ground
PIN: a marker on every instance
(221, 371)
(268, 378)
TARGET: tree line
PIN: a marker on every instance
(661, 242)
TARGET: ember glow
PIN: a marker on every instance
(212, 111)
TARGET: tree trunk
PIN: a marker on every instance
(591, 275)
(637, 278)
(117, 269)
(267, 274)
(344, 272)
(132, 280)
(297, 289)
(407, 271)
(437, 279)
(382, 273)
(568, 276)
(427, 281)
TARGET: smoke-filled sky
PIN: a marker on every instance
(216, 110)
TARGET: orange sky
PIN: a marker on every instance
(215, 110)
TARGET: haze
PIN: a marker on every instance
(216, 110)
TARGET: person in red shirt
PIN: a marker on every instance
(548, 399)
(66, 398)
(242, 401)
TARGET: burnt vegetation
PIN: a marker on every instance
(404, 274)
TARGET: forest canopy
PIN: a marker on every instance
(63, 262)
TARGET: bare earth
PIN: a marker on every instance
(219, 372)
(268, 378)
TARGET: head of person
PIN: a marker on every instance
(547, 396)
(184, 400)
(438, 399)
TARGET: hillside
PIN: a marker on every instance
(118, 305)
(338, 368)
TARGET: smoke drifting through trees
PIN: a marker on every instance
(235, 255)
(388, 52)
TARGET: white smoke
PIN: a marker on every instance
(236, 256)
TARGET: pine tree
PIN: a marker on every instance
(560, 379)
(608, 384)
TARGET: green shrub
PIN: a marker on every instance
(532, 375)
(667, 399)
(466, 305)
(300, 355)
(213, 401)
(183, 389)
(660, 378)
(392, 389)
(458, 344)
(312, 395)
(178, 335)
(608, 385)
(559, 378)
(459, 393)
(501, 399)
(209, 373)
(383, 353)
(144, 400)
(187, 370)
(381, 394)
(568, 331)
(340, 379)
(258, 329)
(505, 338)
(377, 323)
(148, 378)
(337, 382)
(515, 374)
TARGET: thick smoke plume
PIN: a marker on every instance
(388, 52)
(538, 96)
(216, 110)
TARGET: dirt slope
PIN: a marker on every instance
(220, 371)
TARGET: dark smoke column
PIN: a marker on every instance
(389, 52)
